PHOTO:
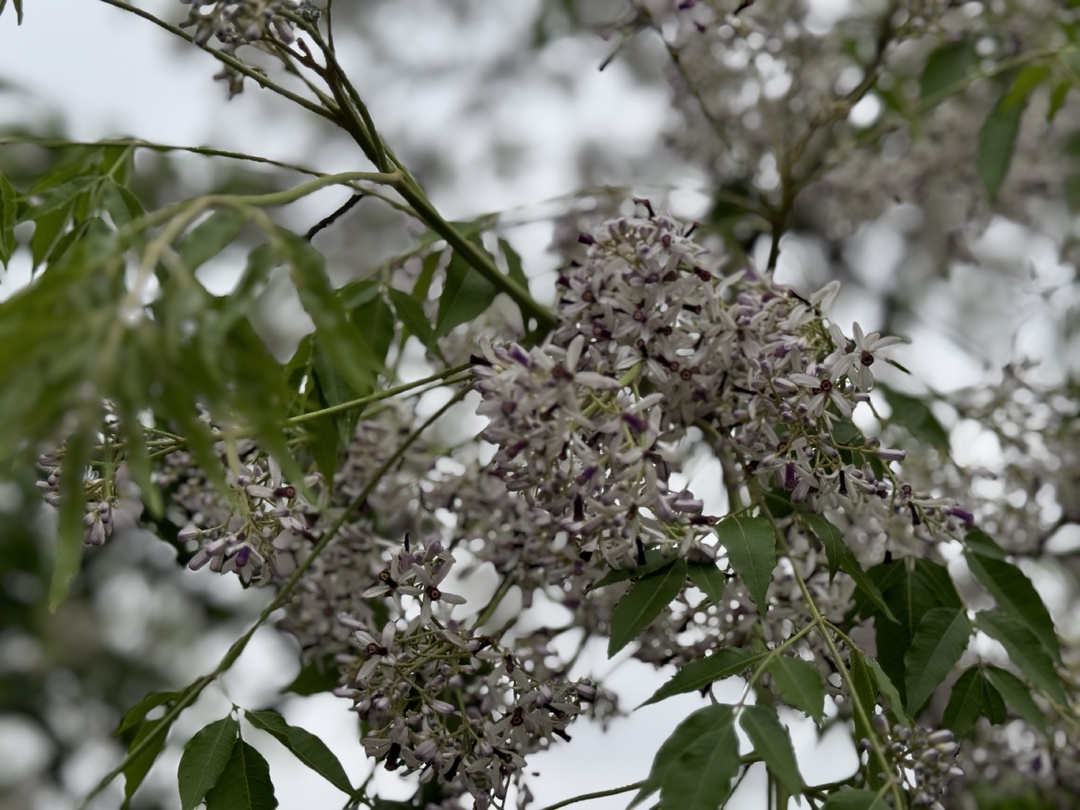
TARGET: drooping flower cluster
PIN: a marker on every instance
(442, 699)
(653, 341)
(924, 759)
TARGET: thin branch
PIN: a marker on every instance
(261, 79)
(327, 221)
(138, 143)
(584, 797)
(448, 377)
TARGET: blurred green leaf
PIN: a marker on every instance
(121, 204)
(946, 66)
(916, 418)
(848, 798)
(645, 600)
(209, 237)
(513, 264)
(9, 199)
(48, 232)
(412, 316)
(375, 321)
(72, 528)
(997, 136)
(60, 196)
(465, 295)
(137, 713)
(1057, 99)
(319, 675)
(351, 354)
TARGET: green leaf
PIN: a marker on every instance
(940, 640)
(237, 304)
(513, 264)
(1012, 590)
(800, 684)
(48, 231)
(997, 139)
(376, 323)
(910, 588)
(18, 10)
(841, 559)
(305, 746)
(946, 66)
(60, 196)
(888, 689)
(855, 799)
(972, 697)
(709, 579)
(694, 767)
(347, 348)
(916, 418)
(1057, 99)
(121, 204)
(697, 675)
(205, 757)
(465, 295)
(333, 390)
(210, 237)
(137, 768)
(411, 313)
(1024, 650)
(1017, 695)
(772, 743)
(244, 784)
(137, 713)
(9, 199)
(645, 600)
(751, 546)
(72, 528)
(864, 694)
(654, 561)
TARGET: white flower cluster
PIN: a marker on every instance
(654, 341)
